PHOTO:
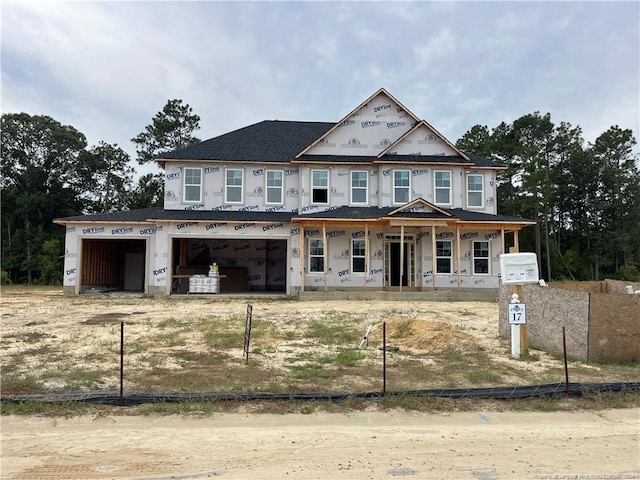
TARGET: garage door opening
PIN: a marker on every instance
(245, 265)
(113, 265)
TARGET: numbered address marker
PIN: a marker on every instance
(517, 314)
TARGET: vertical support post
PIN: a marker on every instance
(303, 245)
(566, 368)
(458, 255)
(384, 359)
(515, 333)
(524, 341)
(433, 256)
(325, 247)
(401, 254)
(121, 364)
(366, 252)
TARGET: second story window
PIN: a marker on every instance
(233, 187)
(274, 186)
(474, 191)
(359, 187)
(193, 185)
(401, 186)
(442, 187)
(320, 186)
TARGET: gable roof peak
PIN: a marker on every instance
(379, 92)
(419, 203)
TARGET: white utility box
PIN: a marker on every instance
(519, 268)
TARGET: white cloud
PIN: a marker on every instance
(107, 67)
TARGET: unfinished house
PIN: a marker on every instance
(378, 202)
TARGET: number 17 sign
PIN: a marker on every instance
(517, 314)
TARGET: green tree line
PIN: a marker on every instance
(48, 171)
(584, 197)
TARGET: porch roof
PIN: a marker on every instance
(340, 214)
(455, 215)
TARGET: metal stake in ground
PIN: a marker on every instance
(247, 332)
(566, 368)
(384, 359)
(121, 364)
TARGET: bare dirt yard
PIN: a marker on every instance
(53, 343)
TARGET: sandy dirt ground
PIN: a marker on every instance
(369, 444)
(38, 321)
(372, 445)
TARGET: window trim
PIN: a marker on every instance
(363, 256)
(436, 188)
(393, 186)
(267, 187)
(226, 186)
(449, 257)
(481, 191)
(327, 187)
(310, 240)
(474, 258)
(366, 188)
(185, 185)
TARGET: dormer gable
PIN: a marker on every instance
(418, 205)
(423, 140)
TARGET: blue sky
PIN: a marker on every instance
(108, 67)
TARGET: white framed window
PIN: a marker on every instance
(475, 193)
(444, 256)
(274, 186)
(481, 258)
(401, 186)
(192, 185)
(234, 185)
(359, 187)
(316, 255)
(320, 187)
(358, 256)
(442, 187)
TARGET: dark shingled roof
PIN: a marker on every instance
(280, 141)
(351, 213)
(266, 141)
(343, 212)
(224, 216)
(139, 215)
(384, 159)
(372, 213)
(160, 214)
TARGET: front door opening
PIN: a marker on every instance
(399, 266)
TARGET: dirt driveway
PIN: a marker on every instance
(471, 445)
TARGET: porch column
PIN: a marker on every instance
(302, 247)
(458, 254)
(401, 254)
(516, 242)
(433, 256)
(325, 244)
(366, 252)
(504, 243)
